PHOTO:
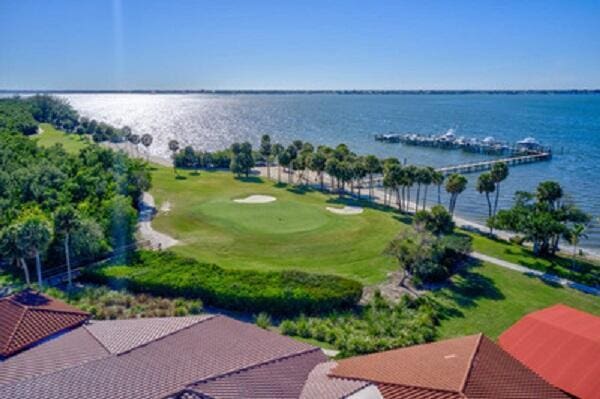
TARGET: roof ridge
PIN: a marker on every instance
(14, 331)
(556, 326)
(73, 312)
(254, 366)
(95, 338)
(470, 364)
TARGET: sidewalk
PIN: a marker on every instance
(544, 276)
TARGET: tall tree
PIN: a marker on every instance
(34, 236)
(427, 179)
(147, 142)
(266, 149)
(174, 147)
(11, 248)
(66, 221)
(437, 178)
(574, 235)
(372, 166)
(499, 173)
(317, 164)
(455, 185)
(485, 185)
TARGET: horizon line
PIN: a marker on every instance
(304, 91)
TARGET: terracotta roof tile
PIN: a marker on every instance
(119, 336)
(470, 367)
(207, 349)
(320, 385)
(440, 365)
(496, 374)
(28, 317)
(69, 349)
(562, 345)
(390, 391)
(279, 379)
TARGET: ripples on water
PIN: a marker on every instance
(569, 123)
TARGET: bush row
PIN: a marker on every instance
(376, 327)
(283, 293)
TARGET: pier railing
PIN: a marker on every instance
(487, 165)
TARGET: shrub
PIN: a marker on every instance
(263, 320)
(104, 303)
(377, 326)
(277, 293)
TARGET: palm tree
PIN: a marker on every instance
(174, 147)
(410, 174)
(549, 192)
(372, 166)
(277, 150)
(147, 142)
(427, 179)
(11, 248)
(135, 140)
(499, 173)
(437, 178)
(266, 150)
(575, 234)
(34, 236)
(317, 164)
(455, 185)
(485, 185)
(66, 220)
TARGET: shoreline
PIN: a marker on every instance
(311, 178)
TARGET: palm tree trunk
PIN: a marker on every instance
(496, 199)
(278, 173)
(489, 202)
(268, 169)
(68, 260)
(425, 197)
(439, 194)
(26, 271)
(38, 268)
(417, 199)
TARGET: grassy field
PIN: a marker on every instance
(296, 231)
(586, 272)
(50, 136)
(489, 299)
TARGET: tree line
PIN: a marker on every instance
(57, 207)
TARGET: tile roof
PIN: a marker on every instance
(278, 379)
(470, 367)
(28, 317)
(320, 385)
(205, 350)
(440, 365)
(72, 348)
(562, 345)
(119, 336)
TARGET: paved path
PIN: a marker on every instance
(157, 239)
(532, 272)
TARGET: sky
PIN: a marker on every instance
(300, 44)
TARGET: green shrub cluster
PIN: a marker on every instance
(277, 293)
(106, 304)
(376, 327)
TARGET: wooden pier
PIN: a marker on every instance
(487, 165)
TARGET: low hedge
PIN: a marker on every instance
(282, 293)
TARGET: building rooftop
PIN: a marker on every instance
(470, 367)
(562, 345)
(29, 317)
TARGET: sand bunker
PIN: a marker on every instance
(256, 199)
(347, 210)
(165, 207)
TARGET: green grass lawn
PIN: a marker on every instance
(71, 142)
(586, 272)
(489, 299)
(294, 232)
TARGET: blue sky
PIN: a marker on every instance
(193, 44)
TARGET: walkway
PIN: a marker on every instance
(532, 272)
(156, 239)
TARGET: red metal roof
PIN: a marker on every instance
(562, 345)
(470, 367)
(28, 317)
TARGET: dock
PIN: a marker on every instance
(480, 166)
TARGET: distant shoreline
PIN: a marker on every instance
(339, 92)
